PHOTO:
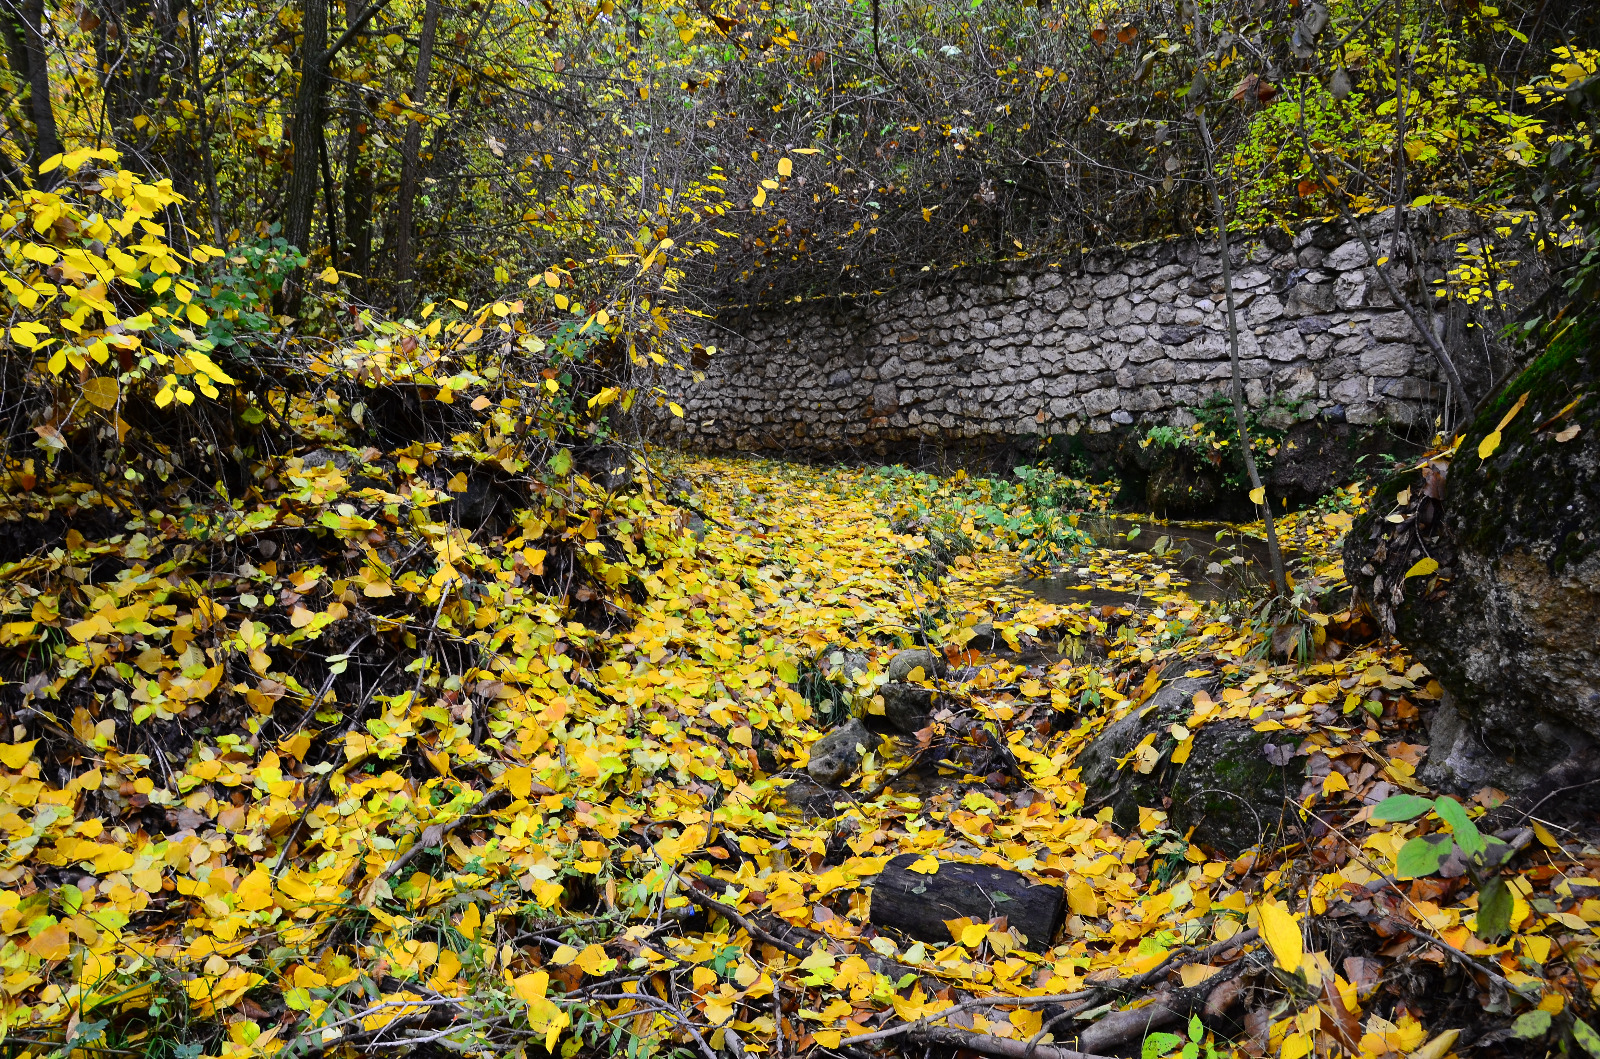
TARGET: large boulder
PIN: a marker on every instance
(1232, 790)
(1507, 623)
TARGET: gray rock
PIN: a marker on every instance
(931, 663)
(1231, 790)
(1508, 625)
(907, 708)
(835, 756)
(1350, 255)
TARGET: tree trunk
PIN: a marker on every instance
(1280, 584)
(306, 130)
(48, 140)
(918, 904)
(410, 160)
(358, 196)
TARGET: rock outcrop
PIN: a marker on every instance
(1509, 622)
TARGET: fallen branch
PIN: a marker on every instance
(732, 915)
(1001, 1047)
(1115, 986)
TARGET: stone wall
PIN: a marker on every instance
(1058, 348)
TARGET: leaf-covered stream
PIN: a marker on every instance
(575, 806)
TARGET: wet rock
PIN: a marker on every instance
(904, 663)
(835, 756)
(1232, 790)
(846, 665)
(907, 707)
(1507, 622)
(918, 904)
(809, 797)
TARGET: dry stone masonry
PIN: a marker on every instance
(1122, 337)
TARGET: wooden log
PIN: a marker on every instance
(918, 904)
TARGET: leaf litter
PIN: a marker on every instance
(319, 771)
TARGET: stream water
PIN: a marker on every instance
(1204, 560)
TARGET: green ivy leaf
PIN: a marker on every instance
(1400, 807)
(1422, 856)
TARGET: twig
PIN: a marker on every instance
(311, 803)
(732, 915)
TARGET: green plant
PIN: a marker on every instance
(1426, 855)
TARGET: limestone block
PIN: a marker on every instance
(1264, 309)
(1349, 255)
(1112, 285)
(1284, 344)
(1350, 290)
(1388, 360)
(1394, 327)
(1101, 402)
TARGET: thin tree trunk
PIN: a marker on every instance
(358, 196)
(1419, 320)
(207, 160)
(410, 160)
(1280, 583)
(44, 116)
(331, 221)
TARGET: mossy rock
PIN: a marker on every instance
(1231, 791)
(1507, 622)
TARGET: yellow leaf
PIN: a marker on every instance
(785, 167)
(531, 987)
(1437, 1048)
(676, 408)
(1258, 495)
(1282, 934)
(973, 934)
(519, 781)
(458, 484)
(925, 866)
(594, 961)
(329, 275)
(1487, 446)
(101, 392)
(255, 891)
(1193, 974)
(196, 315)
(51, 943)
(1423, 567)
(827, 1038)
(16, 755)
(761, 197)
(563, 955)
(1506, 419)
